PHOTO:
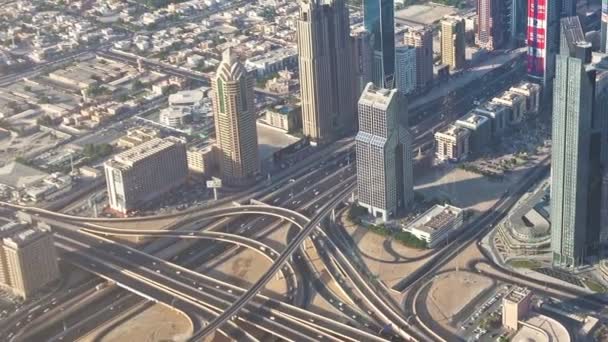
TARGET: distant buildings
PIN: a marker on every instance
(531, 91)
(453, 42)
(436, 224)
(452, 143)
(177, 116)
(515, 307)
(384, 154)
(497, 113)
(327, 73)
(422, 40)
(145, 172)
(604, 28)
(137, 136)
(362, 58)
(405, 73)
(516, 104)
(203, 159)
(235, 122)
(379, 21)
(28, 260)
(490, 27)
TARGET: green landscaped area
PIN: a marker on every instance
(524, 263)
(407, 239)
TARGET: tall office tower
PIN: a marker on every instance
(576, 162)
(379, 20)
(490, 28)
(362, 58)
(145, 172)
(543, 40)
(327, 83)
(235, 116)
(384, 154)
(405, 71)
(422, 40)
(604, 29)
(453, 42)
(518, 21)
(30, 259)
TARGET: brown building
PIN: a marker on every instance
(453, 43)
(422, 40)
(490, 30)
(28, 260)
(515, 307)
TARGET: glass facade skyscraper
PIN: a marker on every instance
(379, 20)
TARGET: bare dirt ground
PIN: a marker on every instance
(157, 323)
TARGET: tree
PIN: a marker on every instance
(137, 85)
(45, 120)
(27, 88)
(268, 13)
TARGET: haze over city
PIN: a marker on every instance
(304, 170)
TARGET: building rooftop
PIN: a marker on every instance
(436, 218)
(187, 96)
(23, 237)
(509, 96)
(176, 112)
(128, 158)
(491, 107)
(378, 97)
(472, 119)
(454, 131)
(528, 86)
(517, 294)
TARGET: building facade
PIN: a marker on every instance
(572, 158)
(235, 122)
(516, 104)
(362, 58)
(532, 93)
(490, 29)
(453, 43)
(405, 74)
(285, 117)
(515, 307)
(498, 115)
(145, 172)
(384, 154)
(604, 28)
(28, 259)
(422, 40)
(452, 143)
(379, 21)
(327, 74)
(481, 131)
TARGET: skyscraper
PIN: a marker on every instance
(490, 29)
(604, 29)
(384, 154)
(362, 58)
(422, 40)
(327, 82)
(379, 20)
(235, 122)
(518, 21)
(576, 163)
(405, 71)
(453, 43)
(543, 39)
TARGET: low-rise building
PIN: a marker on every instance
(137, 136)
(436, 224)
(532, 93)
(28, 259)
(452, 143)
(176, 116)
(203, 159)
(516, 104)
(481, 130)
(145, 172)
(286, 117)
(497, 113)
(515, 307)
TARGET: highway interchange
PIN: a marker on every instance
(307, 192)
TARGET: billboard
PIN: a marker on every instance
(537, 37)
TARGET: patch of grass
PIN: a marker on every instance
(595, 286)
(524, 263)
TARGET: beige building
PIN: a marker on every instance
(28, 259)
(137, 136)
(145, 172)
(452, 143)
(327, 74)
(516, 104)
(235, 122)
(285, 117)
(515, 307)
(532, 93)
(422, 40)
(453, 43)
(203, 159)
